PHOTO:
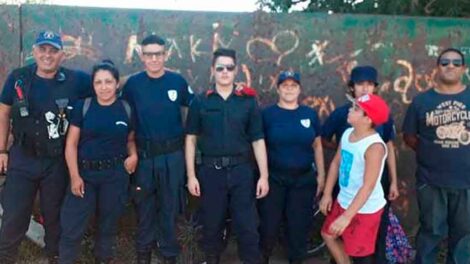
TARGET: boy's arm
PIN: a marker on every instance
(392, 171)
(326, 201)
(332, 176)
(320, 163)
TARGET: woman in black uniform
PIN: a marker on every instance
(296, 170)
(100, 153)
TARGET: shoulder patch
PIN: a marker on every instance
(245, 91)
(209, 92)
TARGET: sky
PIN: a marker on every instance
(195, 5)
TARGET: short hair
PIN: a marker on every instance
(153, 39)
(222, 52)
(105, 65)
(451, 50)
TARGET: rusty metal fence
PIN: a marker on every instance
(322, 47)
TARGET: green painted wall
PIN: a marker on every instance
(324, 48)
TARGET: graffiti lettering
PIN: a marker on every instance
(217, 40)
(74, 46)
(194, 44)
(271, 44)
(323, 105)
(132, 46)
(317, 52)
(403, 83)
(173, 48)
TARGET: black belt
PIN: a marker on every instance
(100, 164)
(148, 149)
(41, 151)
(225, 161)
(291, 171)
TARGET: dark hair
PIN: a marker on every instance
(153, 39)
(221, 52)
(105, 65)
(451, 50)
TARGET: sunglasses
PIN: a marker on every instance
(157, 54)
(221, 68)
(445, 62)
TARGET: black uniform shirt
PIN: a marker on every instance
(103, 130)
(225, 127)
(157, 103)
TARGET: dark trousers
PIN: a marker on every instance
(289, 198)
(380, 244)
(26, 176)
(443, 212)
(106, 193)
(231, 188)
(162, 181)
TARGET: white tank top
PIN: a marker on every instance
(351, 172)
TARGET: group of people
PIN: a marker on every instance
(79, 139)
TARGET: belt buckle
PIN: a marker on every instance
(217, 166)
(225, 161)
(100, 165)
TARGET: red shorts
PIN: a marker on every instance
(360, 235)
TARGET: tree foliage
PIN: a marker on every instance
(442, 8)
(20, 2)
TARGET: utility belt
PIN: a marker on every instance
(51, 149)
(149, 149)
(294, 172)
(221, 162)
(104, 164)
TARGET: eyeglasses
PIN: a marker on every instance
(221, 68)
(445, 62)
(157, 54)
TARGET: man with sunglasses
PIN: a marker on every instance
(37, 98)
(157, 96)
(226, 124)
(437, 128)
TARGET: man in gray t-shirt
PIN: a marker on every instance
(437, 127)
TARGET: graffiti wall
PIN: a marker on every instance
(324, 48)
(10, 41)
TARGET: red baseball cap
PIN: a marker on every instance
(374, 106)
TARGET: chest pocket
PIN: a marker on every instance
(238, 116)
(212, 116)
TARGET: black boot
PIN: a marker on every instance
(144, 257)
(212, 259)
(169, 260)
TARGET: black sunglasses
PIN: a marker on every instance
(445, 62)
(220, 68)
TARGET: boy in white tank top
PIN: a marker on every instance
(352, 222)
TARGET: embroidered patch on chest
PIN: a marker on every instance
(172, 95)
(305, 123)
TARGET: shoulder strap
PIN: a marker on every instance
(127, 108)
(87, 102)
(24, 75)
(86, 106)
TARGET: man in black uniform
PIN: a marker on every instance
(228, 124)
(37, 99)
(158, 97)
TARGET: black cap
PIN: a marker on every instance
(363, 73)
